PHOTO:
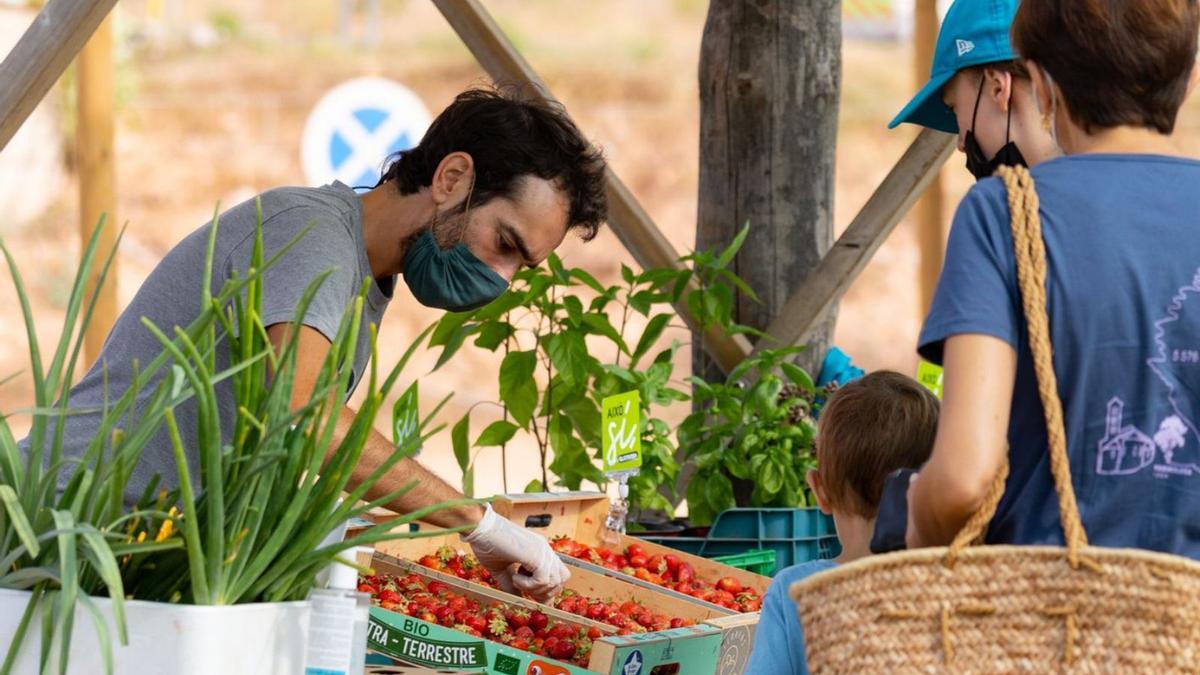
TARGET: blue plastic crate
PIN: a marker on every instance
(795, 535)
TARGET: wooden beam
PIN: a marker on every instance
(42, 54)
(826, 284)
(929, 209)
(97, 177)
(629, 221)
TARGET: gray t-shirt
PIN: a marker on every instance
(171, 297)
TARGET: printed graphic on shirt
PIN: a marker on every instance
(1172, 449)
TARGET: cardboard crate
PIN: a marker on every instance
(694, 649)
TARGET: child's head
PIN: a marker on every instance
(868, 429)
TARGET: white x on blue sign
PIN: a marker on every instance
(355, 126)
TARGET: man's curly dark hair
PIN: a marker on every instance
(507, 137)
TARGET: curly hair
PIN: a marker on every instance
(508, 137)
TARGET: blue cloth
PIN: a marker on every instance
(779, 639)
(973, 33)
(837, 367)
(1123, 288)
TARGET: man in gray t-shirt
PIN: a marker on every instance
(494, 185)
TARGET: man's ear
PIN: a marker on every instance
(1193, 79)
(452, 180)
(818, 488)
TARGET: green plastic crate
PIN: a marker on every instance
(760, 561)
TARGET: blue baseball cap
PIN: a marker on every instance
(973, 33)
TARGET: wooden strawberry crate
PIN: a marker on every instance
(580, 516)
(554, 517)
(682, 650)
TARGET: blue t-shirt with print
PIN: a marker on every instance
(1122, 237)
(779, 638)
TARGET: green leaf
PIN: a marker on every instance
(653, 331)
(599, 324)
(585, 418)
(740, 284)
(719, 492)
(626, 274)
(518, 390)
(446, 327)
(454, 342)
(588, 280)
(574, 307)
(568, 352)
(16, 514)
(770, 479)
(534, 485)
(556, 268)
(459, 439)
(798, 376)
(726, 256)
(493, 334)
(496, 433)
(497, 308)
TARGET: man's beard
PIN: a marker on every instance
(448, 230)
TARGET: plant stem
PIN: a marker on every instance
(504, 445)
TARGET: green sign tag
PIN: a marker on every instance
(620, 432)
(406, 420)
(930, 375)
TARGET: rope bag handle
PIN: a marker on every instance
(1030, 252)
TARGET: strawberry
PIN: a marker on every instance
(673, 563)
(388, 595)
(562, 631)
(729, 585)
(524, 632)
(538, 621)
(638, 561)
(497, 627)
(564, 649)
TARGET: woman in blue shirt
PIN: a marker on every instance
(1119, 217)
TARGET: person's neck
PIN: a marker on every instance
(1117, 140)
(854, 532)
(389, 219)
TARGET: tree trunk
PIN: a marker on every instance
(770, 74)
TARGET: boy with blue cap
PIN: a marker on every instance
(978, 90)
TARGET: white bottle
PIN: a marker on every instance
(337, 628)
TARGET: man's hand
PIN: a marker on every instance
(500, 546)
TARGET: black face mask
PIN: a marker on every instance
(977, 162)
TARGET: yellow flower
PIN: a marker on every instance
(141, 536)
(165, 530)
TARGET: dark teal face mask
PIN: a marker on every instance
(452, 279)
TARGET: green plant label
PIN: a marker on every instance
(622, 442)
(930, 375)
(406, 420)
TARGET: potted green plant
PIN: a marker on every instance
(751, 446)
(220, 584)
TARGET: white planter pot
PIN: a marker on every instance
(173, 639)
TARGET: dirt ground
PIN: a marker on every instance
(221, 121)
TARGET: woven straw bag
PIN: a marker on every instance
(996, 609)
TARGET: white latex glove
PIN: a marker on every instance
(503, 548)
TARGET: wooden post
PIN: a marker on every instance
(630, 222)
(929, 208)
(97, 176)
(41, 55)
(769, 85)
(825, 285)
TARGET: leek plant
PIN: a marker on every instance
(272, 483)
